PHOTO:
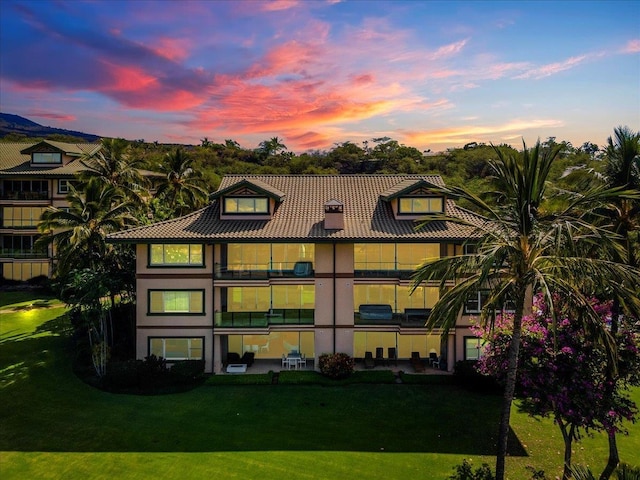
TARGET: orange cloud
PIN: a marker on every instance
(52, 116)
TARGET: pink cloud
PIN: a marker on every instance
(171, 48)
(52, 116)
(632, 46)
(278, 5)
(552, 68)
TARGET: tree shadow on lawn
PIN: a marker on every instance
(47, 408)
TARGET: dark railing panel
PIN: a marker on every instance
(262, 272)
(263, 319)
(13, 253)
(24, 196)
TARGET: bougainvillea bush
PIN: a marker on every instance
(562, 368)
(336, 365)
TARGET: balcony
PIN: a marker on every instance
(377, 315)
(299, 269)
(383, 270)
(19, 195)
(299, 316)
(21, 254)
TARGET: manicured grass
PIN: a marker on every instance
(54, 426)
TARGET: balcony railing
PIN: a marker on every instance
(300, 316)
(16, 195)
(383, 270)
(298, 269)
(13, 253)
(411, 317)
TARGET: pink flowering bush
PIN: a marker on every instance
(336, 365)
(562, 368)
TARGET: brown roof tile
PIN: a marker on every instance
(301, 214)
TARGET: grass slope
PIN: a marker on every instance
(54, 426)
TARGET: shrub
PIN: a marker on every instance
(467, 376)
(465, 472)
(121, 375)
(187, 371)
(336, 365)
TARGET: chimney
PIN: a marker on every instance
(333, 215)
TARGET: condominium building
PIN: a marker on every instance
(33, 176)
(316, 264)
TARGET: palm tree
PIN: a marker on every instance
(181, 186)
(78, 233)
(522, 248)
(113, 165)
(622, 171)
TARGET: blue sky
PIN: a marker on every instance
(429, 74)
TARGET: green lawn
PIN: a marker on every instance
(54, 426)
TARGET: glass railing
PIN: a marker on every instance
(383, 270)
(24, 195)
(411, 317)
(301, 316)
(13, 253)
(298, 269)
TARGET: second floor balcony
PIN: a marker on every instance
(281, 316)
(20, 254)
(22, 195)
(300, 269)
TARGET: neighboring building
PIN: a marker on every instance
(33, 177)
(316, 264)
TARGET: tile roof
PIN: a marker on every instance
(301, 215)
(15, 163)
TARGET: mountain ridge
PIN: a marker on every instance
(18, 125)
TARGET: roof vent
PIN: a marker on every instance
(334, 215)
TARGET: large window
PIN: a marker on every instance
(405, 344)
(419, 205)
(177, 348)
(44, 157)
(274, 344)
(24, 270)
(390, 256)
(246, 205)
(21, 217)
(265, 256)
(398, 297)
(25, 189)
(176, 255)
(176, 301)
(262, 299)
(21, 246)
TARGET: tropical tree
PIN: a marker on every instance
(622, 170)
(78, 233)
(562, 373)
(273, 146)
(182, 188)
(112, 164)
(525, 244)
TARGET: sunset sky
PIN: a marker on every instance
(429, 74)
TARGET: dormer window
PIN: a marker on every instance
(46, 158)
(246, 205)
(420, 205)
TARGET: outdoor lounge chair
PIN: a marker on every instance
(247, 358)
(416, 362)
(379, 356)
(233, 358)
(433, 357)
(393, 356)
(368, 360)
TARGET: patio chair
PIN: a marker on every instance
(436, 362)
(433, 357)
(416, 362)
(368, 360)
(248, 358)
(233, 358)
(285, 361)
(302, 361)
(393, 356)
(379, 356)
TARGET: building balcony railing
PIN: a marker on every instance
(24, 195)
(299, 269)
(383, 270)
(301, 316)
(19, 254)
(411, 317)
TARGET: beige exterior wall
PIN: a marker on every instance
(173, 325)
